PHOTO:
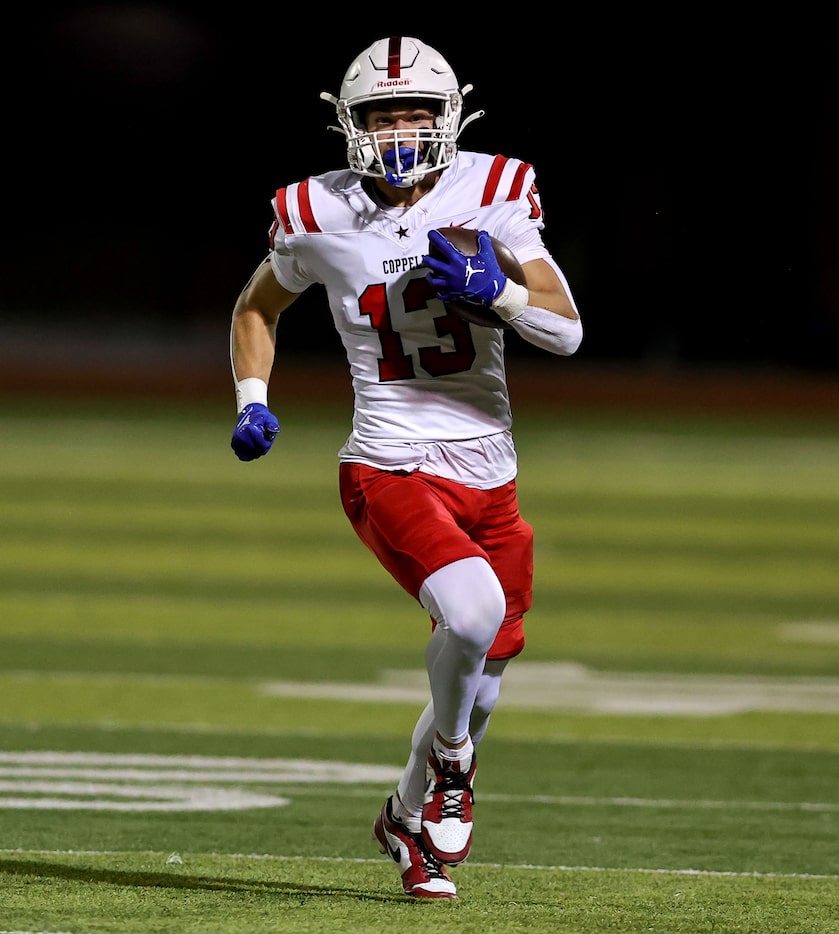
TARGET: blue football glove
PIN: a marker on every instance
(453, 275)
(255, 432)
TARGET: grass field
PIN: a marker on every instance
(207, 684)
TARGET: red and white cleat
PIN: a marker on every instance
(447, 811)
(422, 874)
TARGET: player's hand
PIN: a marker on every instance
(255, 432)
(454, 276)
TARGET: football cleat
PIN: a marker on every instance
(447, 811)
(422, 874)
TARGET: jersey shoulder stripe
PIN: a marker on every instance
(293, 210)
(511, 189)
(281, 211)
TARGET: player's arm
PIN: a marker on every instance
(253, 336)
(546, 290)
(542, 311)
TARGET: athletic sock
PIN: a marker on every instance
(454, 755)
(412, 821)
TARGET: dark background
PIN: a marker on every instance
(687, 166)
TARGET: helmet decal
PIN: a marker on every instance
(394, 57)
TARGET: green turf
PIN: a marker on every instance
(160, 599)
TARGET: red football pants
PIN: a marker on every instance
(415, 523)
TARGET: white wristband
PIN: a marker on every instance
(511, 301)
(251, 390)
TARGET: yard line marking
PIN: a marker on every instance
(97, 797)
(815, 631)
(542, 686)
(593, 801)
(700, 804)
(136, 782)
(217, 768)
(570, 686)
(645, 870)
(290, 734)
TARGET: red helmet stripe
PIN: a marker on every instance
(394, 57)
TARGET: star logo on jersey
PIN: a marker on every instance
(403, 232)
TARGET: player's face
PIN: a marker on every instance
(397, 123)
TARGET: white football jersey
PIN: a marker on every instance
(420, 374)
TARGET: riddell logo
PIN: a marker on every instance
(394, 83)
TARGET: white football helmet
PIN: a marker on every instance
(393, 68)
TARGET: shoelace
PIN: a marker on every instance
(432, 869)
(430, 865)
(451, 786)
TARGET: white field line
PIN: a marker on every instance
(573, 687)
(607, 801)
(536, 686)
(285, 733)
(524, 867)
(129, 781)
(83, 781)
(220, 768)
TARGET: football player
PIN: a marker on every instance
(427, 476)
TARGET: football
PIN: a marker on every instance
(466, 240)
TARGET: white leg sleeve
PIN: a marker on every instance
(468, 603)
(411, 787)
(489, 689)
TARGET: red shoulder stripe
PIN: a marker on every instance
(304, 205)
(310, 225)
(493, 179)
(518, 182)
(282, 209)
(499, 163)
